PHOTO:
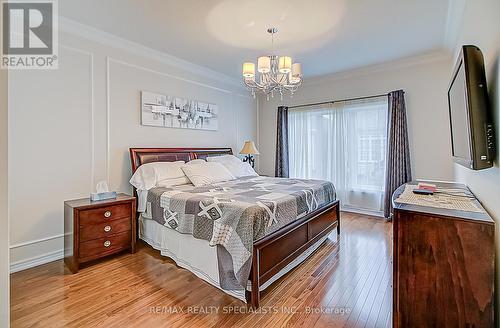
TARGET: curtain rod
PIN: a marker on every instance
(335, 101)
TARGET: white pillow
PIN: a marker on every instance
(234, 165)
(207, 173)
(167, 183)
(197, 161)
(149, 175)
(222, 158)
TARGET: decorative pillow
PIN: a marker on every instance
(196, 161)
(207, 173)
(234, 165)
(149, 175)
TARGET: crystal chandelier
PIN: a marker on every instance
(277, 74)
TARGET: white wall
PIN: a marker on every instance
(480, 25)
(424, 80)
(72, 127)
(4, 213)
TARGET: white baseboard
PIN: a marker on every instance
(361, 211)
(36, 261)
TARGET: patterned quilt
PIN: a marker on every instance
(232, 215)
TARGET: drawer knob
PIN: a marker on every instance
(107, 228)
(107, 214)
(107, 243)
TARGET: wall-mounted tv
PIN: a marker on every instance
(471, 121)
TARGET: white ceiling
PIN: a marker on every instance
(326, 36)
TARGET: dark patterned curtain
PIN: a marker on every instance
(281, 166)
(398, 148)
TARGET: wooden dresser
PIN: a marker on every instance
(97, 229)
(443, 266)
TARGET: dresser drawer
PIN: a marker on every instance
(104, 246)
(105, 214)
(107, 228)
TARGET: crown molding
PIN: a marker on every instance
(81, 30)
(434, 56)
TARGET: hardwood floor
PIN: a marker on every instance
(343, 284)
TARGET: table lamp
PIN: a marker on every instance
(249, 150)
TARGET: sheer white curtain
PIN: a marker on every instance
(344, 142)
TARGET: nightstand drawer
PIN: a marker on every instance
(104, 246)
(105, 214)
(108, 228)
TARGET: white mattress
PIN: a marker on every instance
(197, 256)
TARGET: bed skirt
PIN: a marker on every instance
(196, 256)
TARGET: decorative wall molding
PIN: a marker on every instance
(91, 109)
(92, 125)
(257, 136)
(149, 70)
(108, 39)
(36, 241)
(108, 109)
(110, 60)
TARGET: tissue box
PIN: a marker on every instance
(95, 196)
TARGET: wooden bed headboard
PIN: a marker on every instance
(139, 156)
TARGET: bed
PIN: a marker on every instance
(273, 252)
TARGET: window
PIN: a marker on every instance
(344, 143)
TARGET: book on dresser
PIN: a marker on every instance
(96, 229)
(443, 259)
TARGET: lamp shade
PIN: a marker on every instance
(249, 148)
(297, 70)
(264, 64)
(285, 64)
(248, 69)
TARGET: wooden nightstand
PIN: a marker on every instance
(97, 229)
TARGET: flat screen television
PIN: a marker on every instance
(470, 113)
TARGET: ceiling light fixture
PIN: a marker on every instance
(277, 74)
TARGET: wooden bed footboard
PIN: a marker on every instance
(275, 251)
